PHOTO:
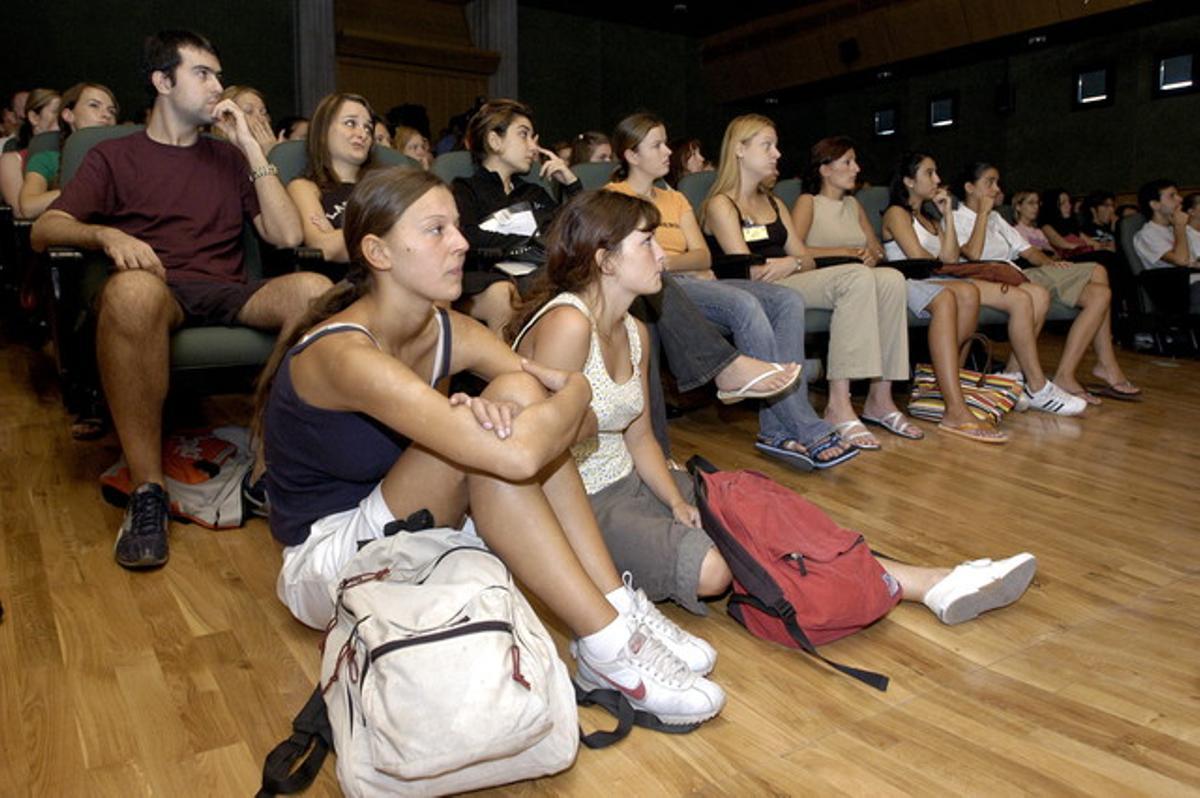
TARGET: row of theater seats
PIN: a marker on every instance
(207, 359)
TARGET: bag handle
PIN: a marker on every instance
(870, 678)
(986, 343)
(311, 734)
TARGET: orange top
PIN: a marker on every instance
(672, 206)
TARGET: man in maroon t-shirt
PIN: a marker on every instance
(167, 206)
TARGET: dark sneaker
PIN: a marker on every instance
(142, 538)
(254, 497)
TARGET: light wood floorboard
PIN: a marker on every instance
(177, 682)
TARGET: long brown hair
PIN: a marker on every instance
(591, 221)
(376, 204)
(627, 135)
(320, 165)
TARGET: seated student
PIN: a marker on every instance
(686, 159)
(83, 105)
(603, 255)
(358, 432)
(1060, 226)
(411, 142)
(503, 144)
(41, 116)
(1100, 217)
(168, 205)
(868, 337)
(764, 319)
(254, 107)
(984, 235)
(1026, 209)
(1167, 238)
(339, 149)
(382, 132)
(12, 116)
(912, 233)
(591, 147)
(291, 128)
(502, 213)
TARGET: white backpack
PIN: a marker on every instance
(437, 676)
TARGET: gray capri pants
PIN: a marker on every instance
(643, 537)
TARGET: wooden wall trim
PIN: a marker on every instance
(885, 33)
(454, 58)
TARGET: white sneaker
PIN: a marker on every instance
(977, 586)
(697, 653)
(1052, 399)
(653, 679)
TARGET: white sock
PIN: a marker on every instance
(621, 600)
(604, 645)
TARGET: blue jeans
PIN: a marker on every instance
(695, 350)
(766, 322)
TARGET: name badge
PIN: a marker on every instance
(754, 232)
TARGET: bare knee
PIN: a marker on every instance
(715, 575)
(1099, 275)
(1095, 294)
(310, 285)
(966, 297)
(516, 387)
(1039, 298)
(136, 301)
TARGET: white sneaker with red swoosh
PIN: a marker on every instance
(653, 679)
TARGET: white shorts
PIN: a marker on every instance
(308, 578)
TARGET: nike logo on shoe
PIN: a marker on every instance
(637, 693)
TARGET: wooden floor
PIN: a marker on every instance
(176, 683)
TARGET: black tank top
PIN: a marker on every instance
(773, 246)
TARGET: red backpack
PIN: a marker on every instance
(798, 578)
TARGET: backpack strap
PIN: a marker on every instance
(627, 717)
(870, 678)
(311, 735)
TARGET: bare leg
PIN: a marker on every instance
(281, 302)
(517, 521)
(493, 306)
(943, 349)
(715, 575)
(1018, 304)
(1094, 304)
(915, 581)
(137, 314)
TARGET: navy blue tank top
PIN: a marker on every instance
(321, 462)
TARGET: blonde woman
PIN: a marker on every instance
(868, 336)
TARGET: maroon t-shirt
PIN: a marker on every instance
(187, 203)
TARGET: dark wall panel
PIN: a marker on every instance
(59, 43)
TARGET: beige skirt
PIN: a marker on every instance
(1064, 284)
